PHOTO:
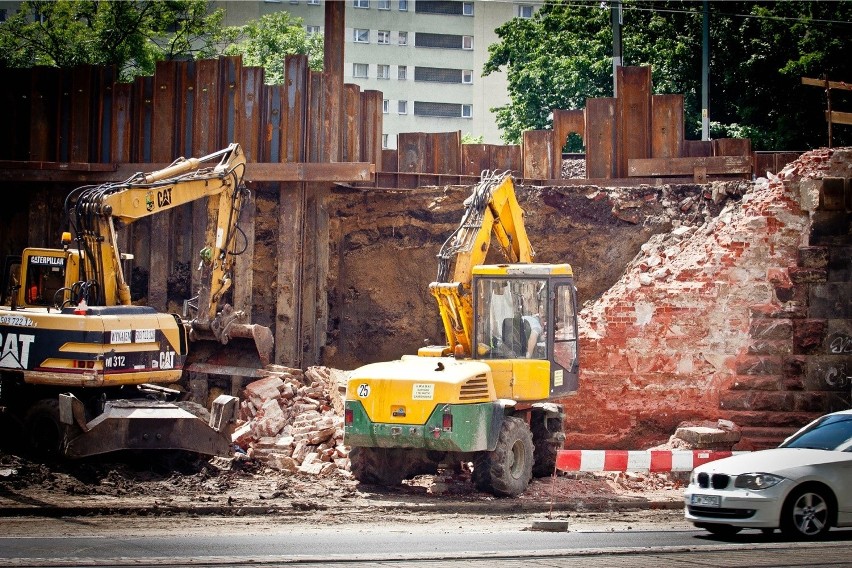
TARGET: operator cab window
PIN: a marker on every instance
(511, 318)
(45, 277)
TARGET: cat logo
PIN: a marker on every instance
(15, 352)
(167, 360)
(164, 197)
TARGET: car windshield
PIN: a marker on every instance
(826, 433)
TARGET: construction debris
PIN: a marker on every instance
(293, 421)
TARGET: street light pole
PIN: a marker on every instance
(705, 73)
(616, 15)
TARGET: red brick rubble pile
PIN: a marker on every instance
(293, 421)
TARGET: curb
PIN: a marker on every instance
(512, 506)
(655, 461)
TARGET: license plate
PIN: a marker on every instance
(706, 500)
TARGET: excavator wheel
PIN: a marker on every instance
(43, 429)
(507, 471)
(379, 466)
(547, 440)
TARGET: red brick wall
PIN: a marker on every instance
(733, 319)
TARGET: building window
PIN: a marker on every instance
(403, 5)
(360, 36)
(438, 75)
(444, 110)
(294, 1)
(403, 38)
(384, 141)
(383, 36)
(443, 7)
(466, 111)
(525, 11)
(402, 107)
(402, 73)
(385, 106)
(445, 41)
(314, 2)
(360, 70)
(467, 76)
(383, 5)
(361, 3)
(312, 30)
(383, 71)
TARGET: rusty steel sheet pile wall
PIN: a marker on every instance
(82, 116)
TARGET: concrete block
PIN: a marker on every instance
(832, 194)
(706, 437)
(831, 300)
(812, 257)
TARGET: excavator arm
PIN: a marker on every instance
(96, 211)
(492, 211)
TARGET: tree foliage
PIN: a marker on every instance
(132, 35)
(759, 51)
(264, 42)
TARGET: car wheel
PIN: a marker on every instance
(721, 530)
(807, 513)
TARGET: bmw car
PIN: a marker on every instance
(803, 487)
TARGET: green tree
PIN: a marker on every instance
(759, 52)
(264, 42)
(132, 35)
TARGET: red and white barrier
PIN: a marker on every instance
(629, 460)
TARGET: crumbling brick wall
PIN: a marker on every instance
(746, 317)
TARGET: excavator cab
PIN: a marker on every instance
(528, 311)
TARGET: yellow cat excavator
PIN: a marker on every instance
(485, 396)
(86, 372)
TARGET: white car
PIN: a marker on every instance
(803, 487)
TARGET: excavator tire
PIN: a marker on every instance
(506, 471)
(43, 429)
(547, 440)
(378, 466)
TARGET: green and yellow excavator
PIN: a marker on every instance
(485, 397)
(83, 371)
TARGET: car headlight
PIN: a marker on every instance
(757, 481)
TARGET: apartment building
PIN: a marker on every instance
(425, 56)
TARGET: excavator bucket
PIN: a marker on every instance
(147, 425)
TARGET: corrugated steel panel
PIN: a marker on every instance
(538, 154)
(371, 128)
(697, 148)
(633, 116)
(475, 158)
(294, 109)
(230, 109)
(250, 125)
(44, 112)
(600, 138)
(446, 153)
(205, 134)
(351, 123)
(163, 119)
(667, 128)
(506, 158)
(122, 122)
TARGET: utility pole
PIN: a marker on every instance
(705, 73)
(616, 15)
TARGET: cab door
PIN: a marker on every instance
(562, 337)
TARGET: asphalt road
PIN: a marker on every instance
(445, 545)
